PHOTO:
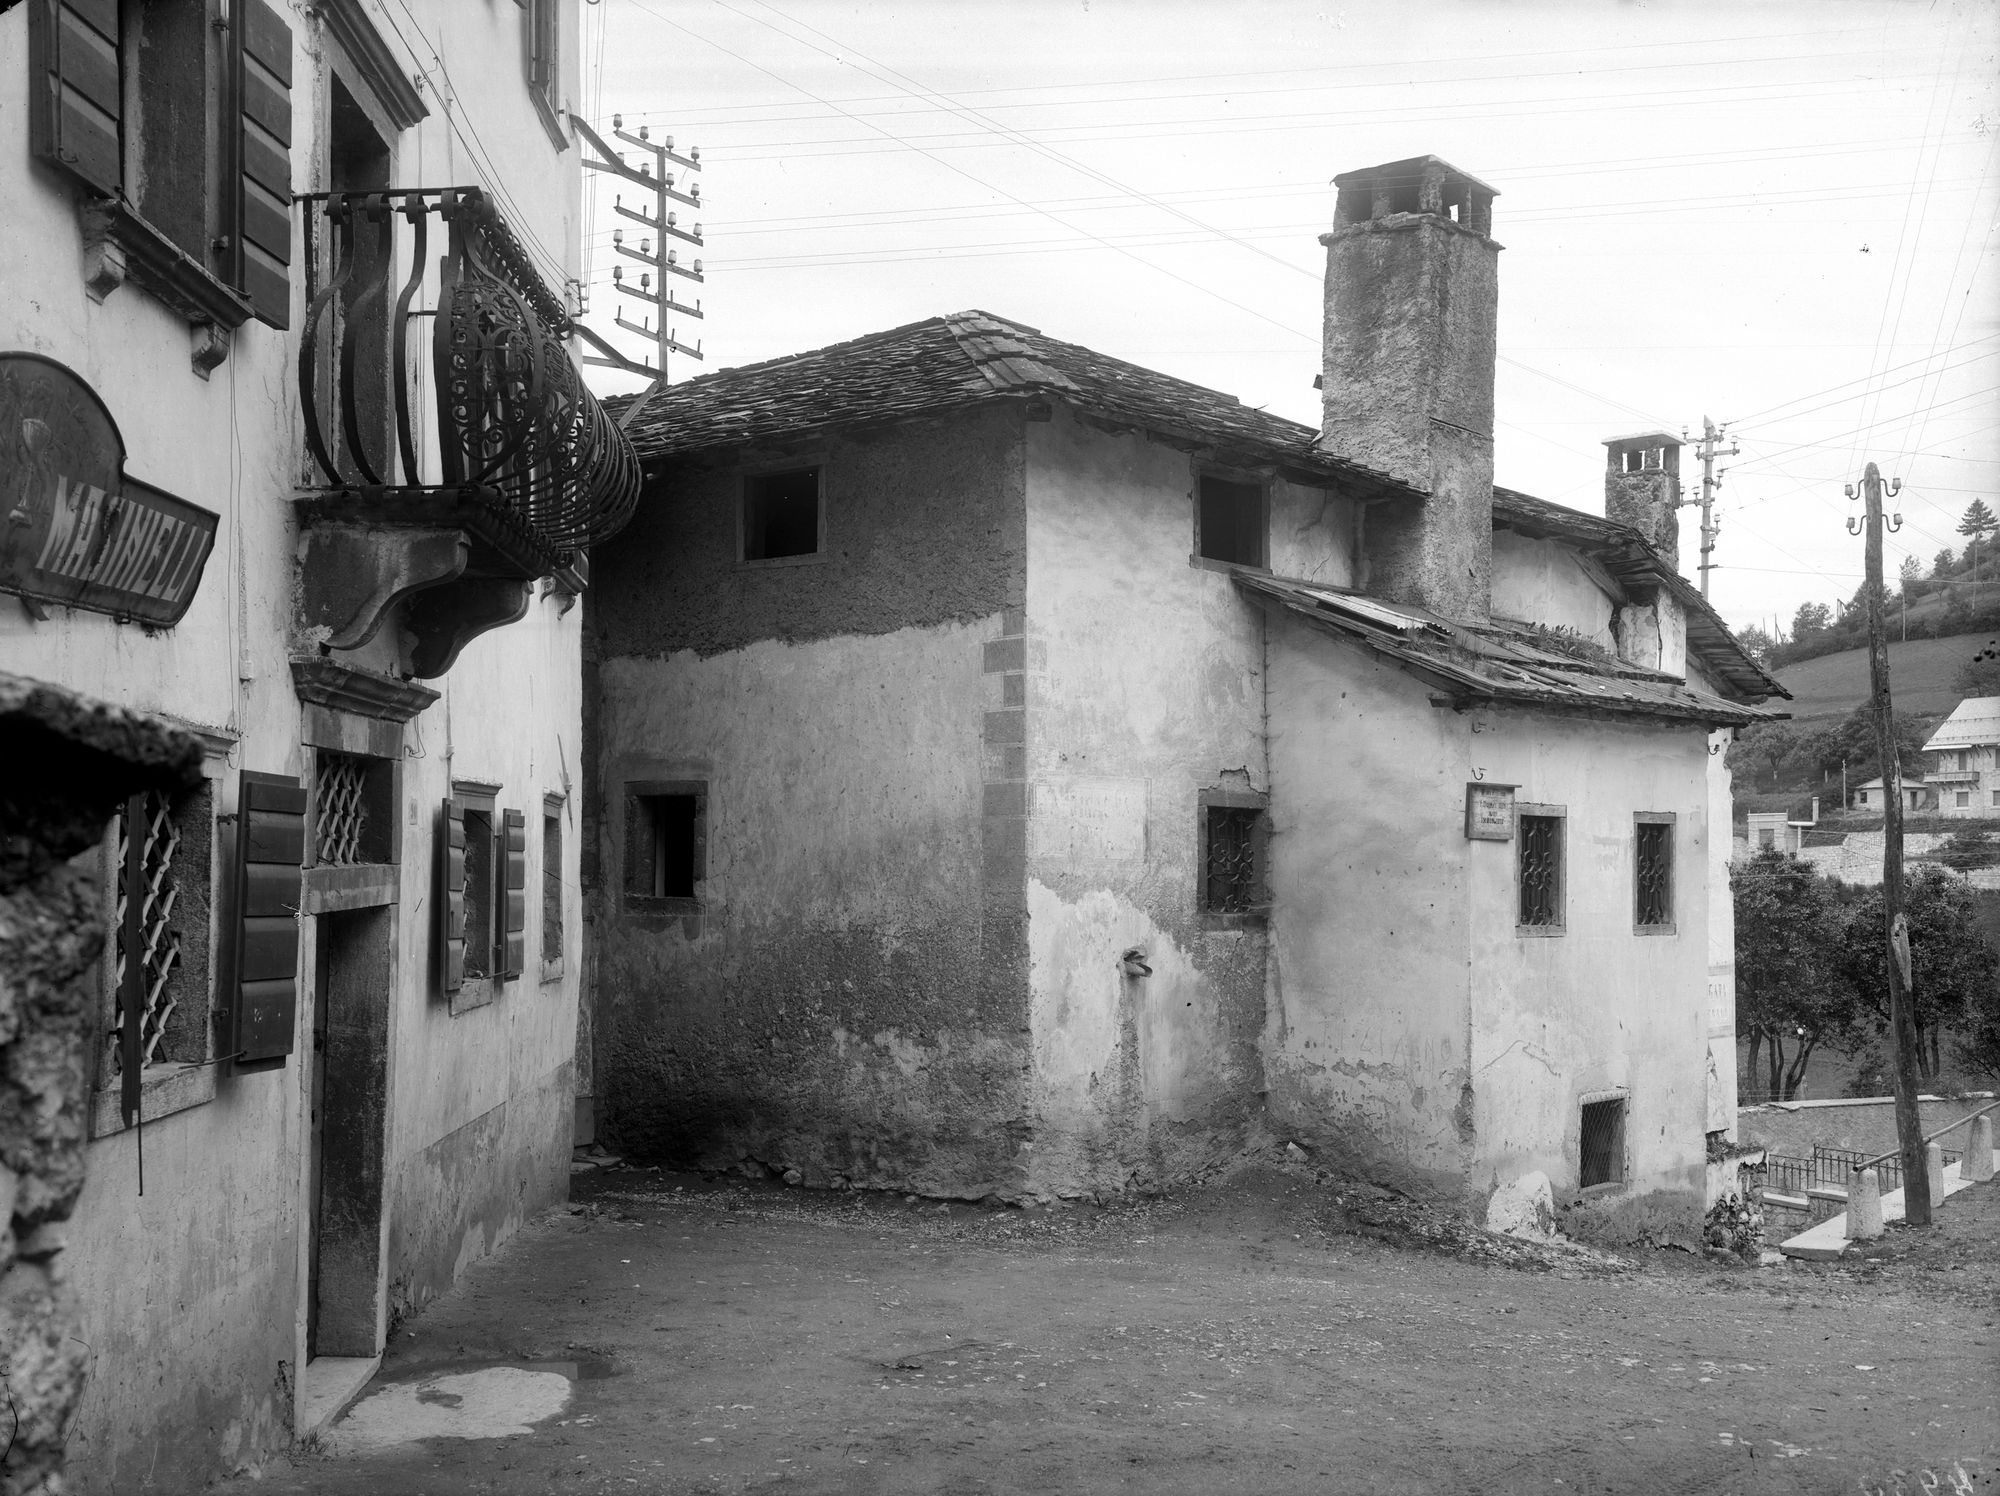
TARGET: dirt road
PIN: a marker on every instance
(731, 1337)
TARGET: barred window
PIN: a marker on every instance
(552, 887)
(1601, 1146)
(1233, 835)
(1653, 844)
(1540, 840)
(157, 961)
(338, 809)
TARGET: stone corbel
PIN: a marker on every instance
(103, 257)
(211, 346)
(353, 575)
(443, 620)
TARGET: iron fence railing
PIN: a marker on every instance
(516, 429)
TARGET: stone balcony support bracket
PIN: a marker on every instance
(352, 575)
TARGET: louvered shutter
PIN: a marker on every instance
(260, 239)
(270, 851)
(514, 893)
(74, 117)
(451, 897)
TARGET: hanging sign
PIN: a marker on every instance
(1489, 811)
(74, 527)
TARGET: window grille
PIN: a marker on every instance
(1656, 873)
(1541, 871)
(1233, 883)
(1602, 1157)
(145, 932)
(552, 924)
(338, 809)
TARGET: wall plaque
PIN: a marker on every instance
(74, 527)
(1489, 811)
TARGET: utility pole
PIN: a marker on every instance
(651, 175)
(1708, 449)
(1896, 929)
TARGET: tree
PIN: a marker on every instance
(1942, 562)
(1791, 994)
(1951, 967)
(1812, 618)
(1756, 643)
(1980, 674)
(1909, 574)
(1976, 522)
(1767, 744)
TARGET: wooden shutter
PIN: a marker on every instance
(260, 189)
(513, 892)
(451, 897)
(270, 851)
(74, 117)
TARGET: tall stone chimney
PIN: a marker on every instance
(1642, 488)
(1412, 299)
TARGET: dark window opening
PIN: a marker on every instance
(1230, 522)
(1541, 844)
(358, 161)
(1232, 860)
(665, 845)
(1602, 1154)
(168, 137)
(1655, 873)
(781, 515)
(479, 862)
(552, 901)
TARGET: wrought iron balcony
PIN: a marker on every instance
(521, 470)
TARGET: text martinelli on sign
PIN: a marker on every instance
(74, 527)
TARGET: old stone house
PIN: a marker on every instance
(257, 490)
(1013, 770)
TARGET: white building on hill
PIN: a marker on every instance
(1964, 764)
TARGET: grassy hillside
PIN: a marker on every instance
(1920, 675)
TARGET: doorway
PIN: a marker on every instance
(345, 1216)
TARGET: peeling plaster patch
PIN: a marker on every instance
(497, 1403)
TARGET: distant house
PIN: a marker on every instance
(1964, 759)
(1783, 830)
(1918, 794)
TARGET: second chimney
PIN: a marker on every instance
(1412, 305)
(1642, 488)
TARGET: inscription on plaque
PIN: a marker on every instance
(1489, 811)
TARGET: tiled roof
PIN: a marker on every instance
(944, 363)
(1974, 722)
(1623, 551)
(1495, 664)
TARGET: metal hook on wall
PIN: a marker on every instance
(1478, 773)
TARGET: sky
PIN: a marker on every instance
(1780, 216)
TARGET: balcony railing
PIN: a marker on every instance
(527, 459)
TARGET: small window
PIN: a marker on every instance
(1229, 522)
(1963, 797)
(1601, 1156)
(552, 889)
(665, 844)
(1653, 839)
(353, 811)
(1766, 837)
(1232, 852)
(1540, 865)
(781, 515)
(542, 52)
(479, 878)
(1996, 797)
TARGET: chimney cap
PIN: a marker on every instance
(1644, 439)
(1411, 169)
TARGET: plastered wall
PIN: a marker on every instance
(1414, 1036)
(1144, 687)
(849, 998)
(1539, 581)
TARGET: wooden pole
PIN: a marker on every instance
(1895, 929)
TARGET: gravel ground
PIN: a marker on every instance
(1271, 1334)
